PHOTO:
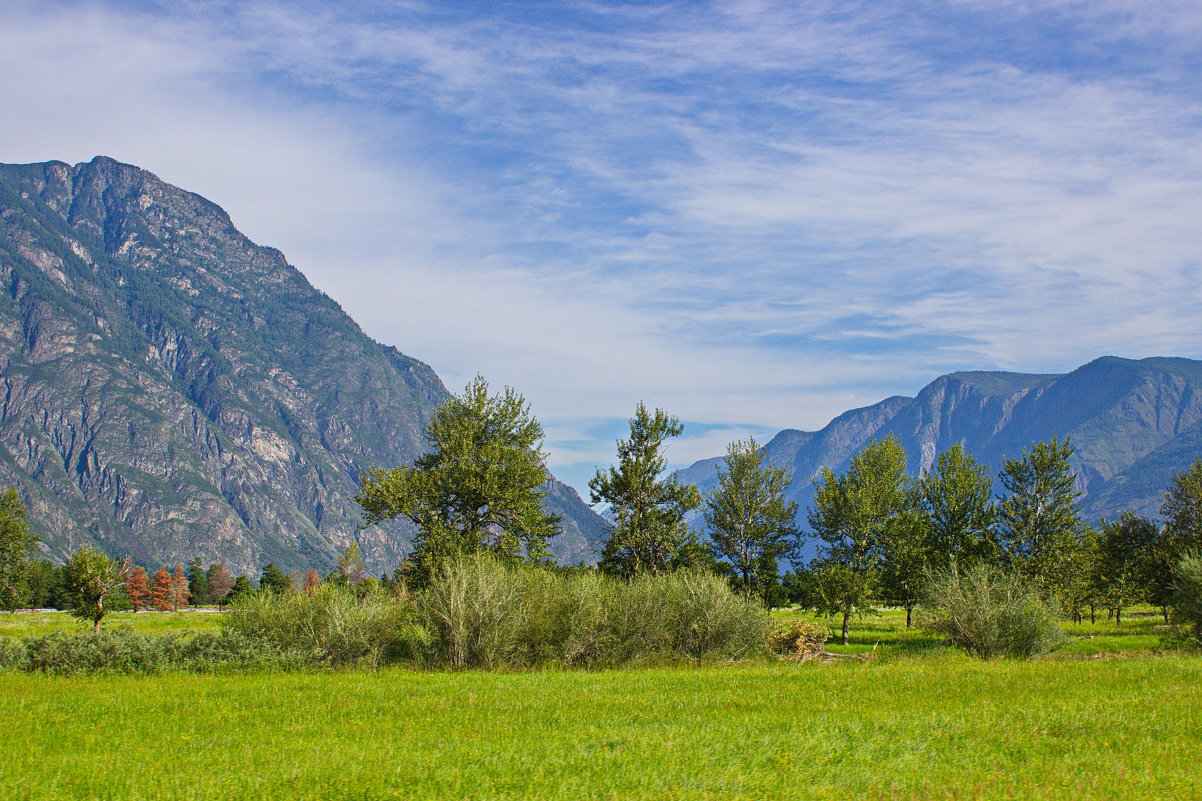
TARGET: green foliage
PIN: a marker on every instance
(1039, 516)
(92, 579)
(1186, 601)
(198, 583)
(480, 487)
(991, 613)
(122, 651)
(650, 534)
(16, 547)
(956, 498)
(481, 613)
(1126, 561)
(856, 515)
(332, 621)
(751, 525)
(274, 579)
(241, 587)
(1182, 510)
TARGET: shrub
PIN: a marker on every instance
(1186, 600)
(331, 621)
(991, 613)
(800, 640)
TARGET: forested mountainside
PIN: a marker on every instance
(171, 389)
(1134, 424)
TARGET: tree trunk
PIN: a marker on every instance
(846, 615)
(909, 610)
(1118, 616)
(1092, 614)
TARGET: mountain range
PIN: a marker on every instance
(170, 389)
(1133, 424)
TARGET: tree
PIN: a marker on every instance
(312, 581)
(1124, 566)
(479, 488)
(161, 595)
(855, 515)
(16, 549)
(907, 559)
(198, 583)
(1039, 516)
(179, 588)
(242, 586)
(956, 498)
(274, 579)
(137, 588)
(220, 582)
(751, 525)
(649, 533)
(1182, 510)
(92, 577)
(350, 565)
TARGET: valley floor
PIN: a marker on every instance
(919, 723)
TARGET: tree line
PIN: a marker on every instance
(881, 534)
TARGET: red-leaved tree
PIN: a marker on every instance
(160, 593)
(179, 588)
(136, 587)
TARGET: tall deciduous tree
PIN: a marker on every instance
(92, 578)
(956, 498)
(480, 486)
(16, 548)
(751, 524)
(650, 534)
(1182, 510)
(855, 515)
(1039, 516)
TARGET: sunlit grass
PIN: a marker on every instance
(25, 623)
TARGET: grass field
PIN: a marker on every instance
(918, 722)
(24, 623)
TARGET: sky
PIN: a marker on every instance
(754, 215)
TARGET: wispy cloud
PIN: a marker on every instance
(755, 214)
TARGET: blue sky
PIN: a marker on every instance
(755, 215)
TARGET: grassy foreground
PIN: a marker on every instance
(939, 727)
(187, 621)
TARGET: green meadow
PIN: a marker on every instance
(1109, 717)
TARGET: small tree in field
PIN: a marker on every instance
(92, 578)
(161, 596)
(312, 581)
(179, 588)
(1122, 566)
(137, 588)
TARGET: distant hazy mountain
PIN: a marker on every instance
(1134, 424)
(171, 389)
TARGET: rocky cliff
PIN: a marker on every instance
(171, 389)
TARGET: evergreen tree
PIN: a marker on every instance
(751, 525)
(161, 596)
(92, 578)
(480, 487)
(1039, 517)
(242, 586)
(855, 515)
(956, 498)
(16, 549)
(220, 583)
(274, 579)
(649, 533)
(198, 583)
(137, 588)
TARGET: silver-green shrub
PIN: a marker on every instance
(992, 613)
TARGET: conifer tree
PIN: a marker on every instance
(220, 582)
(312, 581)
(161, 596)
(649, 531)
(198, 583)
(274, 579)
(137, 588)
(179, 588)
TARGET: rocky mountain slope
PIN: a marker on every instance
(171, 389)
(1134, 424)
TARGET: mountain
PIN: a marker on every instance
(1134, 424)
(171, 389)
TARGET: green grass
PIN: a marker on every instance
(22, 624)
(944, 727)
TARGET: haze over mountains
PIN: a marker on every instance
(1134, 424)
(171, 389)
